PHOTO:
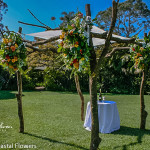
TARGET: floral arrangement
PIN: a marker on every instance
(13, 51)
(74, 46)
(140, 55)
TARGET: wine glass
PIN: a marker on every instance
(103, 99)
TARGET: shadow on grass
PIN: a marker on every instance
(55, 141)
(132, 132)
(6, 95)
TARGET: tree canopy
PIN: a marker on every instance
(133, 17)
(3, 10)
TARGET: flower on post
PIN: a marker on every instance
(140, 55)
(13, 50)
(76, 63)
(74, 45)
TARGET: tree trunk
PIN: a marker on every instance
(19, 100)
(81, 96)
(95, 139)
(143, 111)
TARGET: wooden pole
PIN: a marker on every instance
(81, 96)
(19, 97)
(143, 111)
(95, 139)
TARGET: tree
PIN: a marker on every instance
(3, 10)
(133, 17)
(66, 17)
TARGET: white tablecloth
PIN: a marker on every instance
(108, 116)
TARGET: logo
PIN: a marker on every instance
(4, 127)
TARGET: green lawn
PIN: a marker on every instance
(52, 122)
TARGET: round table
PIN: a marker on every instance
(108, 117)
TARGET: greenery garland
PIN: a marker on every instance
(13, 52)
(74, 46)
(140, 55)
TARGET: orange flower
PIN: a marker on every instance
(138, 54)
(5, 41)
(13, 48)
(8, 60)
(15, 58)
(11, 66)
(76, 65)
(10, 40)
(63, 33)
(61, 36)
(65, 55)
(15, 68)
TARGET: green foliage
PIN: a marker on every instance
(116, 77)
(59, 80)
(27, 81)
(9, 82)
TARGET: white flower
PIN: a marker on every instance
(141, 58)
(9, 44)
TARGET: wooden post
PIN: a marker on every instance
(88, 10)
(81, 96)
(95, 139)
(19, 97)
(143, 111)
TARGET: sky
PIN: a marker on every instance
(45, 9)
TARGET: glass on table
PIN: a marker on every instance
(103, 99)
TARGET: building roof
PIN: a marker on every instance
(96, 41)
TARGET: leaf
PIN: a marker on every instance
(70, 27)
(95, 19)
(82, 43)
(59, 49)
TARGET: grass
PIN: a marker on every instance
(52, 122)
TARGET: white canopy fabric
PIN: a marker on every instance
(53, 33)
